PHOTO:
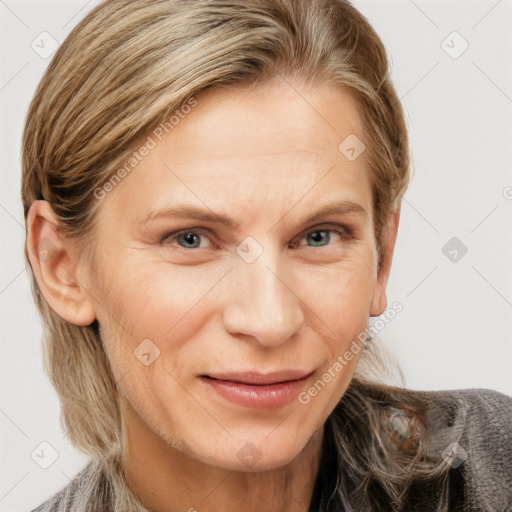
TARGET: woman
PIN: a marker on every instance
(212, 196)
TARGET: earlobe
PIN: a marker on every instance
(54, 259)
(379, 300)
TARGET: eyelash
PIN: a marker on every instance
(345, 233)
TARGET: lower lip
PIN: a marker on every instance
(257, 397)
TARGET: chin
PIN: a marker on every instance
(255, 452)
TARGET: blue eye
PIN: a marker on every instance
(319, 240)
(190, 238)
(320, 237)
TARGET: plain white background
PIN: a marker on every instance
(454, 330)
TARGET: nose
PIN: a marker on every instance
(262, 304)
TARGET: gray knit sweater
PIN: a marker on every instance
(479, 422)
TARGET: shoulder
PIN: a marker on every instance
(79, 493)
(481, 400)
(474, 427)
(438, 446)
(471, 409)
(99, 486)
(482, 416)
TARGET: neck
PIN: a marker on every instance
(166, 479)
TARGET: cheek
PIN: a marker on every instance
(169, 306)
(151, 312)
(152, 301)
(149, 299)
(341, 296)
(343, 308)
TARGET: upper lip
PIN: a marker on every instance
(256, 378)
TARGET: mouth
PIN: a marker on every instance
(260, 379)
(257, 390)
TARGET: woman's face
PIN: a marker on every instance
(202, 317)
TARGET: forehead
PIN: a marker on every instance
(265, 147)
(271, 118)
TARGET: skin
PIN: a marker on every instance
(267, 158)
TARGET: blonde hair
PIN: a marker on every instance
(127, 68)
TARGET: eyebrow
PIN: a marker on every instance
(205, 215)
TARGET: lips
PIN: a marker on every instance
(256, 390)
(260, 379)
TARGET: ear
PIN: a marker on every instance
(54, 262)
(379, 299)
